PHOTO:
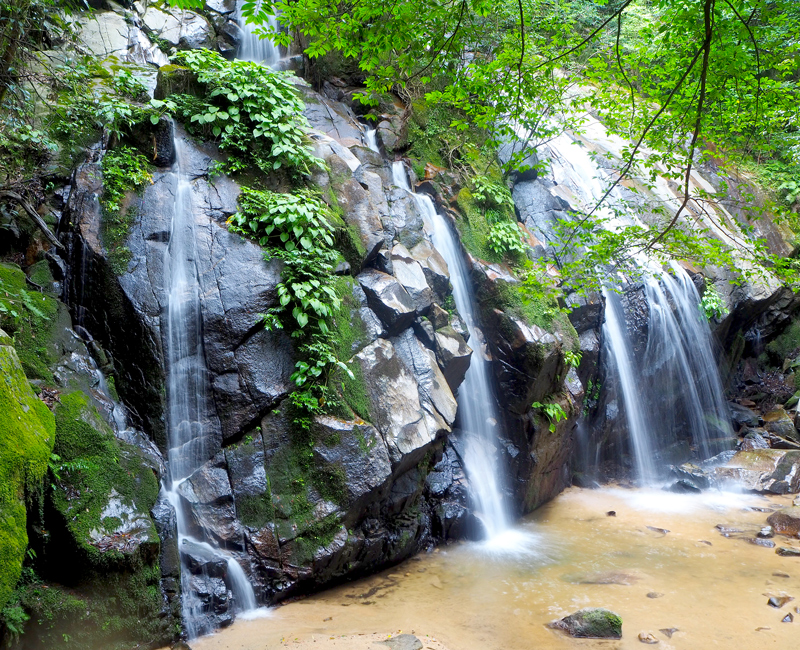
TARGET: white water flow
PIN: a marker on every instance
(371, 136)
(253, 47)
(617, 341)
(476, 405)
(187, 408)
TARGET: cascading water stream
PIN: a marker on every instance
(253, 47)
(371, 136)
(618, 344)
(476, 405)
(187, 407)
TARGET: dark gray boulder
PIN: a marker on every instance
(453, 355)
(388, 299)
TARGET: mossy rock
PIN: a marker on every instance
(174, 80)
(27, 433)
(104, 491)
(592, 623)
(32, 319)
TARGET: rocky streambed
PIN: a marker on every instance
(683, 570)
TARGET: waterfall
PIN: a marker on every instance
(621, 354)
(476, 405)
(371, 136)
(253, 47)
(187, 407)
(675, 387)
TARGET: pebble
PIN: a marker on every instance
(778, 601)
(611, 513)
(647, 637)
(785, 551)
(788, 618)
(766, 543)
(766, 532)
(781, 574)
(662, 531)
(654, 594)
(668, 631)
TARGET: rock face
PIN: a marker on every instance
(786, 522)
(591, 623)
(302, 503)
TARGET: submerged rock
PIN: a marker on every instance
(786, 522)
(648, 637)
(592, 623)
(785, 551)
(403, 642)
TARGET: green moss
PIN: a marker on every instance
(784, 345)
(113, 611)
(473, 228)
(92, 464)
(27, 433)
(255, 510)
(31, 318)
(41, 275)
(317, 536)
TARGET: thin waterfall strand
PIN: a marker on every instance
(621, 353)
(253, 47)
(186, 391)
(476, 404)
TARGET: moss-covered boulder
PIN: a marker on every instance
(104, 489)
(27, 432)
(593, 623)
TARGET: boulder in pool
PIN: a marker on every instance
(591, 623)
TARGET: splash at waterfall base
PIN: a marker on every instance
(668, 564)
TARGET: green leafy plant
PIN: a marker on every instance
(14, 618)
(572, 358)
(553, 411)
(711, 304)
(254, 111)
(792, 189)
(491, 194)
(296, 229)
(505, 237)
(124, 169)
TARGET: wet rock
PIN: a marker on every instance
(765, 470)
(403, 642)
(778, 422)
(753, 440)
(400, 403)
(423, 328)
(684, 486)
(785, 551)
(353, 450)
(209, 498)
(786, 522)
(789, 618)
(668, 631)
(756, 541)
(779, 601)
(766, 532)
(357, 207)
(522, 158)
(434, 267)
(388, 299)
(438, 316)
(611, 513)
(594, 623)
(200, 559)
(453, 355)
(530, 360)
(409, 273)
(660, 531)
(742, 416)
(654, 594)
(648, 637)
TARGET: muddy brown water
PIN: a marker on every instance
(659, 562)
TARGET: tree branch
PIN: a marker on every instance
(37, 219)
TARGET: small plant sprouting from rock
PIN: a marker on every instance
(553, 411)
(712, 304)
